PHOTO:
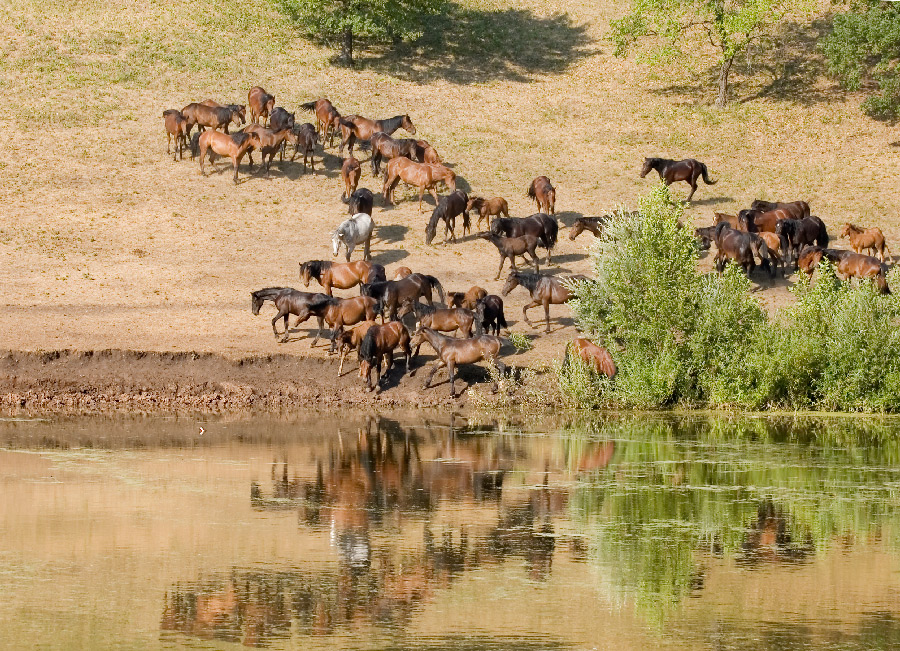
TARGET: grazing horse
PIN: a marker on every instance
(705, 236)
(327, 117)
(754, 221)
(870, 239)
(338, 312)
(453, 352)
(392, 295)
(209, 116)
(233, 146)
(592, 224)
(336, 274)
(287, 301)
(361, 200)
(240, 109)
(796, 209)
(544, 290)
(448, 208)
(350, 173)
(444, 319)
(489, 315)
(260, 102)
(270, 143)
(857, 265)
(510, 247)
(488, 208)
(734, 245)
(385, 147)
(305, 140)
(356, 230)
(356, 127)
(425, 176)
(350, 340)
(379, 344)
(670, 171)
(176, 126)
(800, 232)
(469, 299)
(425, 153)
(593, 355)
(402, 272)
(542, 226)
(544, 195)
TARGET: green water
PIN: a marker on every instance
(361, 532)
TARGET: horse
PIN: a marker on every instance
(732, 220)
(402, 272)
(734, 245)
(350, 173)
(796, 209)
(279, 120)
(287, 301)
(425, 176)
(870, 239)
(468, 299)
(233, 146)
(425, 153)
(379, 344)
(542, 226)
(444, 319)
(356, 230)
(349, 340)
(489, 315)
(705, 236)
(327, 117)
(176, 126)
(239, 109)
(338, 312)
(800, 232)
(777, 249)
(754, 221)
(270, 143)
(392, 295)
(448, 208)
(510, 247)
(356, 127)
(383, 146)
(453, 352)
(670, 171)
(305, 140)
(857, 265)
(593, 355)
(544, 195)
(361, 200)
(335, 274)
(260, 102)
(488, 208)
(544, 290)
(592, 224)
(209, 116)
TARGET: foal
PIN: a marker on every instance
(453, 352)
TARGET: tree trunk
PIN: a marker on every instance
(347, 47)
(722, 99)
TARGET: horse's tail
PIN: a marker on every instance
(368, 349)
(436, 284)
(705, 173)
(309, 106)
(530, 194)
(822, 239)
(364, 145)
(347, 123)
(501, 319)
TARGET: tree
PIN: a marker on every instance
(379, 20)
(679, 28)
(863, 48)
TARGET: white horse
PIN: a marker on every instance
(356, 230)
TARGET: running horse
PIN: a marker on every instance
(670, 171)
(356, 127)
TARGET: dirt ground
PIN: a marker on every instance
(106, 243)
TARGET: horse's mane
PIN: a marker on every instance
(316, 267)
(239, 136)
(368, 350)
(855, 228)
(423, 308)
(269, 292)
(171, 112)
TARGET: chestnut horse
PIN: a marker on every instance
(270, 143)
(544, 195)
(755, 221)
(453, 352)
(469, 299)
(209, 116)
(424, 176)
(488, 208)
(796, 209)
(342, 275)
(176, 126)
(260, 102)
(356, 127)
(870, 239)
(544, 290)
(444, 319)
(671, 171)
(327, 117)
(233, 146)
(350, 173)
(350, 340)
(595, 356)
(379, 344)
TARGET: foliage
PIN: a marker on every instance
(675, 30)
(521, 341)
(864, 48)
(679, 337)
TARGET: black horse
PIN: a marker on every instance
(544, 227)
(800, 232)
(489, 315)
(670, 171)
(361, 200)
(448, 209)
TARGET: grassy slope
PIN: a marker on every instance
(97, 216)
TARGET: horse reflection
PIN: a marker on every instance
(769, 540)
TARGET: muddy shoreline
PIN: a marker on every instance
(95, 381)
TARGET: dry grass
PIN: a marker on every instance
(105, 242)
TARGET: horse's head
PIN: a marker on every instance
(846, 230)
(305, 273)
(511, 283)
(430, 228)
(336, 239)
(269, 106)
(475, 203)
(784, 227)
(577, 229)
(648, 165)
(255, 303)
(407, 124)
(702, 236)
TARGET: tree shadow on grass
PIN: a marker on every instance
(468, 45)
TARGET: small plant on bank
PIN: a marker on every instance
(521, 341)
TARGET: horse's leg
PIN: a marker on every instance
(451, 367)
(547, 313)
(234, 162)
(525, 311)
(434, 369)
(169, 142)
(500, 270)
(338, 329)
(501, 370)
(367, 255)
(344, 350)
(693, 183)
(318, 332)
(421, 194)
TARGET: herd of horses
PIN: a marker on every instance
(774, 233)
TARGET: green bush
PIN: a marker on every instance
(690, 339)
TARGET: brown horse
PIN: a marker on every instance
(350, 340)
(857, 265)
(379, 344)
(671, 171)
(510, 247)
(350, 173)
(213, 117)
(798, 233)
(401, 273)
(731, 220)
(469, 299)
(453, 352)
(448, 209)
(488, 208)
(327, 117)
(305, 140)
(796, 209)
(342, 275)
(270, 143)
(424, 176)
(734, 245)
(392, 295)
(544, 195)
(596, 356)
(754, 221)
(544, 290)
(444, 319)
(592, 224)
(385, 147)
(777, 249)
(287, 301)
(240, 109)
(260, 102)
(337, 313)
(425, 153)
(176, 126)
(870, 239)
(542, 226)
(356, 127)
(233, 146)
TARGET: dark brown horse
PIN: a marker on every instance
(734, 245)
(488, 208)
(287, 301)
(796, 209)
(305, 141)
(337, 313)
(350, 173)
(176, 126)
(595, 356)
(544, 290)
(544, 195)
(361, 200)
(798, 233)
(356, 127)
(342, 275)
(379, 344)
(233, 146)
(270, 143)
(392, 295)
(453, 352)
(448, 209)
(385, 147)
(424, 176)
(350, 340)
(444, 319)
(670, 171)
(260, 102)
(592, 224)
(467, 299)
(542, 226)
(240, 109)
(489, 315)
(209, 117)
(510, 247)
